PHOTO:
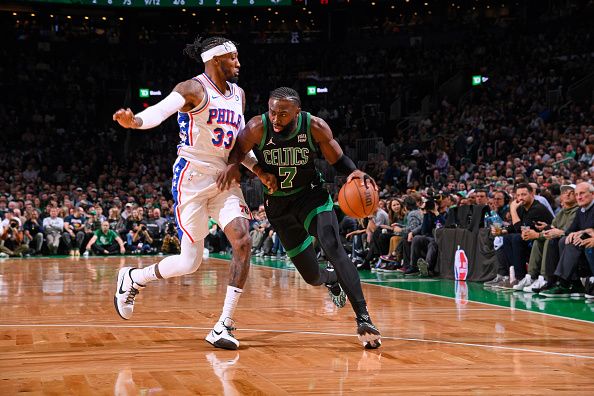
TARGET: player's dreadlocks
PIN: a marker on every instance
(202, 45)
(286, 93)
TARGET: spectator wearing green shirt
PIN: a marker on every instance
(106, 241)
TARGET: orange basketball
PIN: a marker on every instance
(356, 200)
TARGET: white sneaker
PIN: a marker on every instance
(4, 255)
(527, 281)
(537, 284)
(221, 336)
(126, 291)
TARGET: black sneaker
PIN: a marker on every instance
(547, 286)
(589, 289)
(412, 271)
(556, 292)
(367, 333)
(576, 289)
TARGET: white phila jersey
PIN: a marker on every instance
(207, 133)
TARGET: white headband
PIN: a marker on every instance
(219, 50)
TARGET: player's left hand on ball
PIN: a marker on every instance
(228, 176)
(365, 178)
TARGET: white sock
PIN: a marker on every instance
(142, 276)
(592, 279)
(233, 294)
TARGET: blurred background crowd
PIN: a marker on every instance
(448, 105)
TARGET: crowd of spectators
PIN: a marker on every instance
(71, 182)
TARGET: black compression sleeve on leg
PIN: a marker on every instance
(307, 264)
(325, 227)
(344, 166)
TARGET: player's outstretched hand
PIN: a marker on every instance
(125, 117)
(230, 175)
(365, 178)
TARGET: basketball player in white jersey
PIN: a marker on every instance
(210, 113)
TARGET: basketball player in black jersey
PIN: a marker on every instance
(286, 141)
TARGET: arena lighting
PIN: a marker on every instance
(183, 10)
(14, 14)
(86, 17)
(32, 14)
(104, 18)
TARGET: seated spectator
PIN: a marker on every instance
(11, 240)
(414, 221)
(116, 222)
(573, 255)
(501, 202)
(141, 240)
(91, 225)
(215, 241)
(545, 248)
(74, 233)
(156, 225)
(526, 212)
(105, 242)
(423, 256)
(33, 231)
(53, 226)
(171, 243)
(375, 223)
(8, 217)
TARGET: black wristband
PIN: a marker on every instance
(344, 165)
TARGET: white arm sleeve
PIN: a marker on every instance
(154, 115)
(250, 160)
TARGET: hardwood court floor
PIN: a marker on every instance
(59, 335)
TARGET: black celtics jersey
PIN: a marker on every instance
(289, 157)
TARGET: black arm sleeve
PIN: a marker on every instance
(344, 165)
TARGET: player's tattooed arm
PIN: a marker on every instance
(192, 91)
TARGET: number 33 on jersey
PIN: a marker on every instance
(207, 133)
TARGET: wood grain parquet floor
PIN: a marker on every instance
(60, 335)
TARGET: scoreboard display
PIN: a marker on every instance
(171, 3)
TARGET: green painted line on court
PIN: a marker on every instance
(462, 292)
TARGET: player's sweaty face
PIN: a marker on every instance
(283, 113)
(230, 66)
